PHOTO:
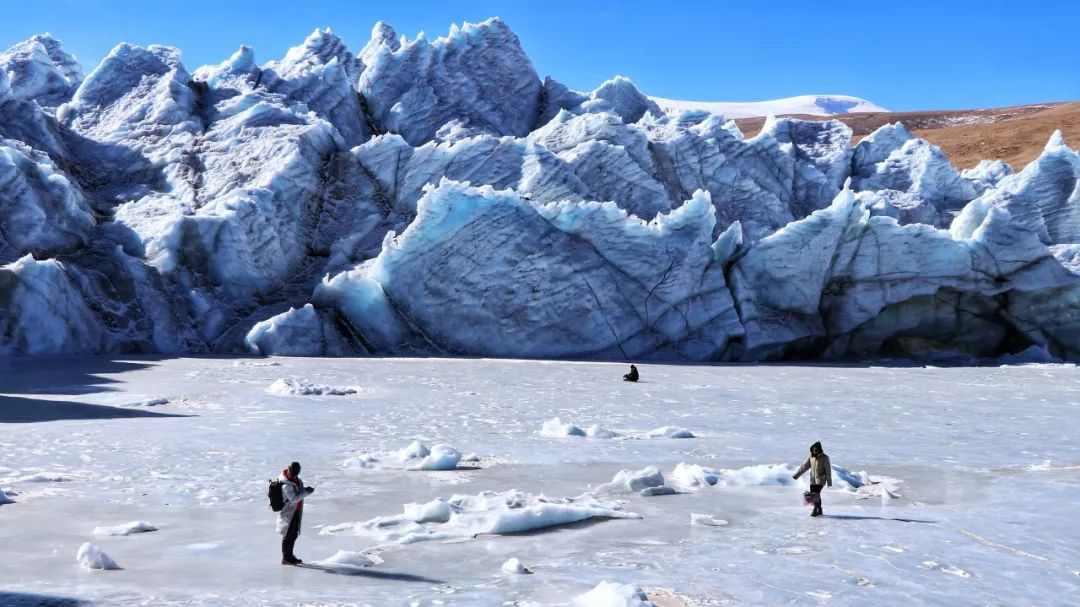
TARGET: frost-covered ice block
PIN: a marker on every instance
(415, 450)
(486, 271)
(347, 558)
(45, 313)
(4, 499)
(670, 432)
(987, 174)
(92, 557)
(513, 565)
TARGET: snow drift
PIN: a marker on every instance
(438, 197)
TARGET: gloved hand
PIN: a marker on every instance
(309, 489)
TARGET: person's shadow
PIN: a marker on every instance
(852, 517)
(372, 573)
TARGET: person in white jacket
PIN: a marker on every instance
(288, 523)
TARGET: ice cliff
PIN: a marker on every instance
(437, 196)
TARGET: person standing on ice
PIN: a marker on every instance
(820, 474)
(288, 523)
(632, 375)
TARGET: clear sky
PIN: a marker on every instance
(901, 54)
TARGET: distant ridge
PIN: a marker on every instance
(809, 105)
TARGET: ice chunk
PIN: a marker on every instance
(706, 520)
(361, 462)
(648, 481)
(442, 457)
(41, 70)
(670, 432)
(347, 558)
(612, 594)
(92, 557)
(556, 428)
(598, 431)
(301, 387)
(415, 450)
(126, 528)
(626, 100)
(4, 499)
(435, 511)
(513, 565)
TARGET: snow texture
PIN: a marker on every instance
(436, 196)
(807, 105)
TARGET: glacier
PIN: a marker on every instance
(437, 196)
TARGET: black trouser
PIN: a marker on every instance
(291, 534)
(816, 489)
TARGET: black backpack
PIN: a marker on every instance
(277, 498)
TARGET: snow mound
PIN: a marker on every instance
(670, 432)
(513, 565)
(347, 558)
(92, 557)
(706, 520)
(612, 594)
(555, 428)
(647, 482)
(126, 528)
(442, 457)
(300, 387)
(151, 402)
(466, 516)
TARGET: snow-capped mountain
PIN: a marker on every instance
(806, 105)
(436, 196)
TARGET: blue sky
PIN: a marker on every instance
(904, 55)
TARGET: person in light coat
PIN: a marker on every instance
(288, 523)
(820, 474)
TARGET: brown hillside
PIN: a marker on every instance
(1013, 134)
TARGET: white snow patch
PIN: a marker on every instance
(92, 557)
(611, 594)
(486, 513)
(126, 528)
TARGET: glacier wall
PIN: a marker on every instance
(437, 196)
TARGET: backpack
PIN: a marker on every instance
(277, 498)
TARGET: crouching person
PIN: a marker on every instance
(289, 518)
(820, 475)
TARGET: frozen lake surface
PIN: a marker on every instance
(979, 472)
